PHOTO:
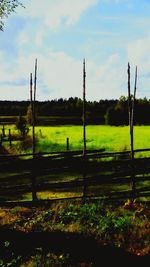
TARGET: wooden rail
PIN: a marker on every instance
(106, 179)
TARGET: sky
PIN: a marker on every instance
(60, 34)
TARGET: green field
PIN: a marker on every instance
(53, 138)
(110, 138)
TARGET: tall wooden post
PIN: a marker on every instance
(131, 123)
(31, 84)
(9, 134)
(84, 132)
(35, 79)
(33, 109)
(67, 143)
(3, 131)
(129, 95)
(33, 99)
(30, 107)
(84, 109)
(132, 116)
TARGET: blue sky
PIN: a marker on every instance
(60, 33)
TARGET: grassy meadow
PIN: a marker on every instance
(110, 138)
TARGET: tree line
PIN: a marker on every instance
(112, 112)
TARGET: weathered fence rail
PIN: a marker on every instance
(98, 174)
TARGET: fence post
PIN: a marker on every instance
(131, 101)
(33, 179)
(33, 168)
(67, 143)
(3, 131)
(84, 134)
(1, 141)
(9, 137)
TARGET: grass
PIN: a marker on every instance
(124, 226)
(55, 194)
(111, 138)
(53, 138)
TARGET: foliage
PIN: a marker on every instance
(21, 125)
(85, 213)
(69, 111)
(50, 259)
(124, 225)
(6, 8)
(118, 114)
(29, 115)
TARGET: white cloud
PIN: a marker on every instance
(106, 80)
(23, 38)
(39, 38)
(118, 1)
(138, 54)
(14, 93)
(60, 75)
(56, 13)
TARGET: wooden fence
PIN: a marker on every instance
(64, 175)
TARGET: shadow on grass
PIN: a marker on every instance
(79, 247)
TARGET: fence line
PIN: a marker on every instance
(102, 176)
(100, 152)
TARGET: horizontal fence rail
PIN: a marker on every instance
(69, 174)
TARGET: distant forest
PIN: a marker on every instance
(112, 112)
